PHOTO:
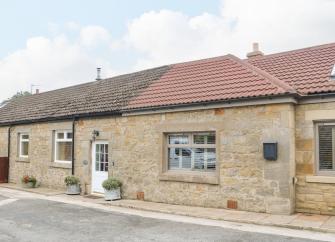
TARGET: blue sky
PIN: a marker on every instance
(32, 18)
(60, 43)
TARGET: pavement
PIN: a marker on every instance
(78, 218)
(42, 220)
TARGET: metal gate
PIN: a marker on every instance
(4, 169)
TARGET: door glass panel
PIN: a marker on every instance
(101, 157)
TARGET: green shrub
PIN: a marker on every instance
(111, 184)
(26, 179)
(71, 180)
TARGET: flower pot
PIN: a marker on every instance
(111, 195)
(73, 189)
(29, 185)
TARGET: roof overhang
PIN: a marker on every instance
(290, 98)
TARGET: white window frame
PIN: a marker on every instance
(191, 145)
(317, 158)
(65, 139)
(21, 140)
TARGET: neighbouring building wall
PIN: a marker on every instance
(136, 147)
(3, 141)
(315, 193)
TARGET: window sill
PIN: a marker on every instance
(61, 165)
(22, 160)
(320, 179)
(191, 177)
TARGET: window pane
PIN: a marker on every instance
(60, 135)
(64, 151)
(325, 148)
(199, 139)
(199, 158)
(25, 136)
(196, 156)
(178, 139)
(24, 148)
(69, 135)
(173, 158)
(211, 139)
(186, 158)
(211, 159)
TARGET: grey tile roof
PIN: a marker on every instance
(105, 96)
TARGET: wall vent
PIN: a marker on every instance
(232, 204)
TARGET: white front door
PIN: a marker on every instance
(99, 165)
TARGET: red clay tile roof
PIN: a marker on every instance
(307, 70)
(300, 72)
(208, 80)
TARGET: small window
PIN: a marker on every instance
(192, 151)
(24, 145)
(63, 146)
(326, 161)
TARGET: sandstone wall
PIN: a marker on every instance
(136, 148)
(3, 141)
(40, 162)
(314, 194)
(243, 174)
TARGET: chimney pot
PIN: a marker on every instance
(255, 47)
(98, 74)
(255, 51)
(37, 91)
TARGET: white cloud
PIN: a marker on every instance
(50, 63)
(168, 36)
(94, 35)
(161, 37)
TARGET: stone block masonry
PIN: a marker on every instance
(136, 148)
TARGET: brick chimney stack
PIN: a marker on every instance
(255, 51)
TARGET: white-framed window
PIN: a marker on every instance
(63, 146)
(23, 145)
(325, 147)
(191, 151)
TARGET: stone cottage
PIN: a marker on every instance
(256, 133)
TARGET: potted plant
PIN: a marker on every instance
(29, 181)
(112, 188)
(72, 185)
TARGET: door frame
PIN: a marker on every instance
(93, 150)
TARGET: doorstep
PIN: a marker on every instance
(314, 222)
(38, 190)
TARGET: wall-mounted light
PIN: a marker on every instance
(95, 134)
(270, 150)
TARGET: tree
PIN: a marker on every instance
(17, 95)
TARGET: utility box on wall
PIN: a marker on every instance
(270, 150)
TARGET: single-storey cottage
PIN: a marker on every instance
(258, 133)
